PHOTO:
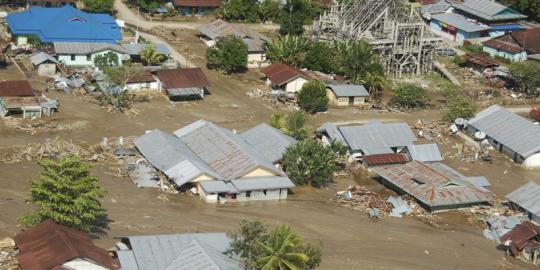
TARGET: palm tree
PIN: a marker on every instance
(376, 82)
(150, 56)
(287, 49)
(279, 251)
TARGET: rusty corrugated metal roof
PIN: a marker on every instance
(145, 76)
(49, 245)
(382, 159)
(279, 73)
(182, 78)
(18, 88)
(521, 236)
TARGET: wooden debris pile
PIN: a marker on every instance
(434, 131)
(38, 126)
(362, 199)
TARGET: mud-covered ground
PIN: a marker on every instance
(350, 239)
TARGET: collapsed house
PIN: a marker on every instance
(509, 133)
(524, 242)
(285, 77)
(222, 165)
(526, 199)
(19, 98)
(49, 245)
(254, 41)
(177, 251)
(369, 139)
(183, 84)
(433, 187)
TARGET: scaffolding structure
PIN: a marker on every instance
(395, 30)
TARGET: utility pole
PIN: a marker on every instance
(137, 27)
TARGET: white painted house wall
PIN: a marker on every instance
(295, 85)
(83, 60)
(257, 60)
(532, 162)
(143, 86)
(81, 264)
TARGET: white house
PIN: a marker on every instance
(144, 81)
(287, 78)
(509, 133)
(80, 54)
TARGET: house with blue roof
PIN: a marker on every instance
(63, 24)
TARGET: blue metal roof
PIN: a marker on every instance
(65, 24)
(507, 27)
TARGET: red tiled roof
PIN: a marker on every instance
(182, 78)
(19, 88)
(529, 39)
(279, 73)
(146, 76)
(198, 3)
(49, 245)
(501, 45)
(383, 159)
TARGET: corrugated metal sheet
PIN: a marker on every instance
(173, 157)
(182, 78)
(509, 129)
(381, 159)
(185, 92)
(127, 259)
(438, 7)
(479, 181)
(527, 197)
(377, 135)
(262, 183)
(42, 57)
(432, 187)
(424, 152)
(154, 252)
(460, 22)
(279, 73)
(268, 141)
(348, 90)
(488, 10)
(217, 186)
(49, 245)
(86, 47)
(332, 131)
(225, 152)
(18, 88)
(135, 49)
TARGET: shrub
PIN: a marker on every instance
(460, 107)
(229, 54)
(312, 97)
(410, 96)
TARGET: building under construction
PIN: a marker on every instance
(395, 30)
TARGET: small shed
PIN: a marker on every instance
(527, 199)
(346, 94)
(143, 81)
(183, 84)
(45, 64)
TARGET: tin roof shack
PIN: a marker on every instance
(192, 7)
(509, 133)
(63, 24)
(432, 189)
(183, 84)
(49, 245)
(527, 199)
(44, 63)
(285, 77)
(217, 161)
(371, 161)
(515, 46)
(217, 29)
(479, 62)
(524, 242)
(19, 98)
(346, 94)
(369, 139)
(177, 251)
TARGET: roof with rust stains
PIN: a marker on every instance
(17, 88)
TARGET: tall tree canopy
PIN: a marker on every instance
(527, 76)
(241, 10)
(293, 15)
(229, 54)
(66, 193)
(530, 8)
(290, 50)
(98, 5)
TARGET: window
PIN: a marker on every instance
(72, 57)
(88, 57)
(248, 194)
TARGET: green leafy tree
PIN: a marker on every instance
(115, 96)
(376, 82)
(310, 162)
(320, 56)
(119, 75)
(460, 107)
(34, 41)
(98, 5)
(530, 8)
(241, 10)
(357, 60)
(150, 56)
(269, 10)
(312, 97)
(66, 193)
(527, 77)
(229, 54)
(410, 96)
(280, 251)
(147, 5)
(277, 249)
(291, 123)
(109, 59)
(292, 18)
(290, 50)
